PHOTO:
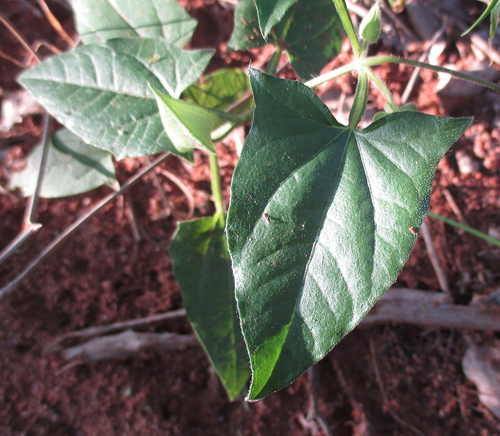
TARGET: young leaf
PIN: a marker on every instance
(494, 10)
(73, 167)
(100, 20)
(311, 31)
(220, 90)
(320, 221)
(101, 93)
(270, 13)
(187, 125)
(203, 270)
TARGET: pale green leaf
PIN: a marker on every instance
(187, 125)
(73, 167)
(100, 20)
(101, 92)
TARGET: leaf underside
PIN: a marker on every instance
(203, 270)
(321, 221)
(100, 20)
(73, 167)
(101, 93)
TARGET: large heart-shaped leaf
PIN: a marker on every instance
(322, 219)
(72, 167)
(101, 92)
(270, 13)
(202, 267)
(311, 32)
(99, 20)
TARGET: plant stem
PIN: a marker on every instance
(216, 186)
(377, 60)
(56, 242)
(468, 229)
(381, 85)
(332, 74)
(273, 63)
(348, 26)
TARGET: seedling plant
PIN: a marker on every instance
(322, 215)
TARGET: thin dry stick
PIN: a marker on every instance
(30, 213)
(183, 188)
(454, 207)
(93, 332)
(433, 257)
(314, 412)
(156, 182)
(13, 60)
(422, 58)
(18, 36)
(28, 226)
(55, 23)
(55, 244)
(387, 404)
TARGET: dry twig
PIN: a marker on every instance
(55, 23)
(183, 188)
(434, 258)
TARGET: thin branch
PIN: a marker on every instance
(62, 237)
(128, 344)
(434, 258)
(18, 36)
(55, 23)
(183, 188)
(93, 332)
(28, 226)
(30, 213)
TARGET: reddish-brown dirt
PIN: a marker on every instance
(101, 275)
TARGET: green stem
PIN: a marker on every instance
(377, 60)
(348, 26)
(382, 86)
(225, 115)
(332, 74)
(273, 63)
(360, 99)
(216, 187)
(468, 229)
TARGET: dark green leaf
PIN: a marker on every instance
(311, 32)
(101, 92)
(203, 270)
(322, 219)
(100, 20)
(72, 167)
(270, 13)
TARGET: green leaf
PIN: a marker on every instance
(495, 12)
(101, 93)
(492, 7)
(320, 221)
(100, 20)
(187, 125)
(203, 270)
(270, 13)
(220, 90)
(73, 167)
(246, 33)
(311, 31)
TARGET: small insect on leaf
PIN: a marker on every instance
(266, 217)
(413, 230)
